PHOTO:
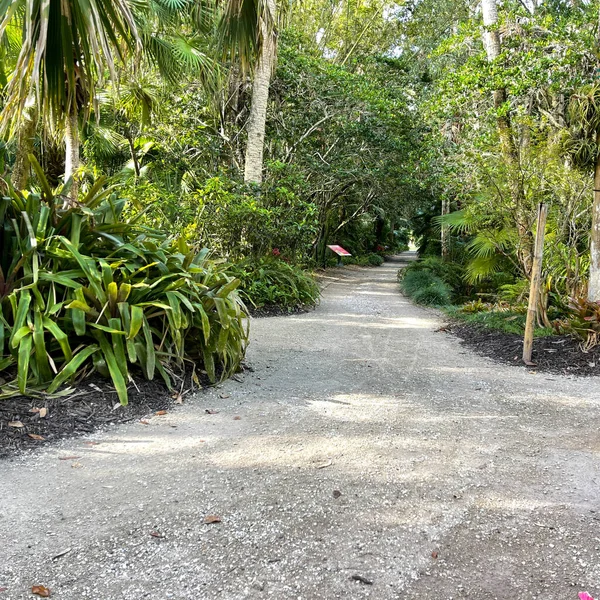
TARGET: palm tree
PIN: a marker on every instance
(66, 47)
(249, 25)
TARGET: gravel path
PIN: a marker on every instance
(366, 456)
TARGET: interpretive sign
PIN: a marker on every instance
(339, 251)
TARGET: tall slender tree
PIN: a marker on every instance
(510, 153)
(253, 164)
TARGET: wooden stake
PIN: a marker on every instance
(534, 288)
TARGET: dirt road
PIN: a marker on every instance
(366, 456)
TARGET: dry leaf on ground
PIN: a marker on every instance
(43, 412)
(40, 590)
(210, 411)
(212, 519)
(156, 534)
(160, 413)
(237, 418)
(16, 424)
(35, 436)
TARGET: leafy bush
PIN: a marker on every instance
(270, 281)
(425, 288)
(375, 260)
(81, 288)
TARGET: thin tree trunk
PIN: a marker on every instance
(134, 159)
(25, 138)
(260, 97)
(444, 229)
(507, 142)
(534, 289)
(72, 152)
(594, 277)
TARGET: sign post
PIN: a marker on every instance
(340, 252)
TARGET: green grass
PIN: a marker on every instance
(507, 321)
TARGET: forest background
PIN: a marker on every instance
(169, 163)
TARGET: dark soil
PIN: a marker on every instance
(92, 404)
(555, 354)
(274, 310)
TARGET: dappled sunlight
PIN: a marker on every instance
(377, 323)
(372, 293)
(510, 504)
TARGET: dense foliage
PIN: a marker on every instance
(81, 287)
(265, 133)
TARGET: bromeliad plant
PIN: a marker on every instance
(83, 289)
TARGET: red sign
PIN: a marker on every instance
(339, 251)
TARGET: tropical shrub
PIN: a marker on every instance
(375, 260)
(271, 281)
(425, 288)
(81, 288)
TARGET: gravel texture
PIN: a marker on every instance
(367, 455)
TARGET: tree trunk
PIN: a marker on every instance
(25, 138)
(444, 229)
(134, 159)
(594, 278)
(260, 96)
(507, 142)
(72, 152)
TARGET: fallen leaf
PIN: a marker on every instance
(144, 422)
(76, 465)
(224, 396)
(156, 534)
(16, 424)
(212, 519)
(237, 418)
(43, 412)
(210, 411)
(160, 413)
(337, 493)
(40, 590)
(361, 579)
(434, 554)
(34, 410)
(35, 436)
(68, 457)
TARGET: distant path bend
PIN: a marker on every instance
(364, 444)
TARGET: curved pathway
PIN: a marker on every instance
(367, 455)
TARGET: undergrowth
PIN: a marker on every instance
(271, 281)
(506, 321)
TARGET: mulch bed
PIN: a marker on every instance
(274, 310)
(92, 405)
(556, 354)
